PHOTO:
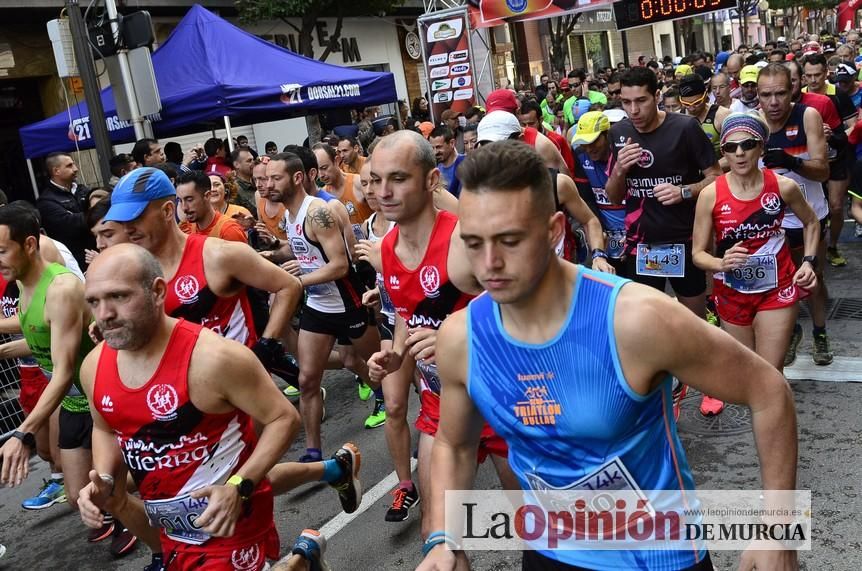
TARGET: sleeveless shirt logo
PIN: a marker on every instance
(298, 228)
(647, 159)
(725, 208)
(298, 246)
(163, 401)
(187, 288)
(771, 203)
(429, 278)
(791, 131)
(245, 558)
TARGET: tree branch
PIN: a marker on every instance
(336, 35)
(290, 24)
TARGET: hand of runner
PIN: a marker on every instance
(371, 298)
(827, 130)
(219, 519)
(90, 255)
(628, 156)
(438, 559)
(245, 221)
(95, 333)
(92, 499)
(734, 257)
(421, 343)
(601, 265)
(668, 194)
(16, 462)
(778, 560)
(265, 237)
(368, 251)
(292, 267)
(382, 363)
(805, 277)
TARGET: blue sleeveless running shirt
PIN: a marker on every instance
(569, 416)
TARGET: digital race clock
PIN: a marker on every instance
(634, 13)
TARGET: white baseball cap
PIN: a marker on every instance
(497, 126)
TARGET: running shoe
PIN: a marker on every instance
(378, 415)
(287, 368)
(311, 545)
(679, 391)
(711, 406)
(365, 391)
(712, 318)
(104, 532)
(348, 486)
(123, 542)
(403, 500)
(291, 392)
(52, 492)
(790, 355)
(156, 564)
(836, 260)
(858, 230)
(822, 354)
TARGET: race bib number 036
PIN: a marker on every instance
(661, 260)
(177, 517)
(759, 274)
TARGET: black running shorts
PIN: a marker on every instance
(76, 430)
(350, 324)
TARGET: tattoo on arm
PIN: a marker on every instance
(322, 218)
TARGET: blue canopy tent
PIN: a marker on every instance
(209, 70)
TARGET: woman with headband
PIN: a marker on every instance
(756, 284)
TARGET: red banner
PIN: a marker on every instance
(486, 13)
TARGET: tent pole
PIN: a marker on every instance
(227, 130)
(32, 178)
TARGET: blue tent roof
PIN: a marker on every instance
(209, 68)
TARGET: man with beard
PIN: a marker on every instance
(747, 101)
(193, 190)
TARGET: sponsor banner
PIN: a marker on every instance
(485, 13)
(294, 93)
(445, 38)
(596, 513)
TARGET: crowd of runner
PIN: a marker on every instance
(149, 317)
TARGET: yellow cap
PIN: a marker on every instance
(748, 74)
(590, 126)
(683, 69)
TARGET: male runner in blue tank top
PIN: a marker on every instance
(587, 342)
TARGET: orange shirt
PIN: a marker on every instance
(359, 211)
(272, 222)
(360, 161)
(221, 227)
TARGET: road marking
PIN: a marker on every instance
(369, 498)
(842, 370)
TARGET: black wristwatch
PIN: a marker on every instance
(811, 260)
(244, 486)
(599, 253)
(26, 438)
(685, 192)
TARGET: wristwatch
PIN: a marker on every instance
(26, 438)
(243, 485)
(811, 260)
(599, 253)
(685, 192)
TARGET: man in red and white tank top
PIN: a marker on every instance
(168, 409)
(209, 276)
(757, 284)
(428, 277)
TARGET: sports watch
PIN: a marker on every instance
(243, 485)
(26, 438)
(811, 260)
(685, 192)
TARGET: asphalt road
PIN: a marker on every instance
(721, 453)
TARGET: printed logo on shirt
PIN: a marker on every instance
(107, 404)
(163, 401)
(771, 203)
(725, 208)
(791, 131)
(429, 278)
(647, 159)
(394, 283)
(537, 409)
(298, 246)
(245, 558)
(187, 289)
(788, 294)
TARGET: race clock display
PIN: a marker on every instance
(634, 13)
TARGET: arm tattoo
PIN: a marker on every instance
(322, 218)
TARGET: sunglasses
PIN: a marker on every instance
(746, 144)
(694, 103)
(615, 92)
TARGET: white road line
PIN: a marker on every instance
(842, 370)
(369, 498)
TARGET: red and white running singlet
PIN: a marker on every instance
(189, 297)
(170, 447)
(757, 224)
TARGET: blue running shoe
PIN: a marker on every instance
(311, 545)
(52, 492)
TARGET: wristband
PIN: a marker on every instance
(435, 539)
(599, 253)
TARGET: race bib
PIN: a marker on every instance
(616, 243)
(759, 274)
(177, 517)
(318, 289)
(430, 378)
(661, 260)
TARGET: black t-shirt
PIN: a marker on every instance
(677, 153)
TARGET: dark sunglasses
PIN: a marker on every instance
(746, 144)
(615, 92)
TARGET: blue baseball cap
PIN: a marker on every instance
(135, 191)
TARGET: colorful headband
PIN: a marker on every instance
(747, 122)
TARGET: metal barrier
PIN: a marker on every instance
(11, 415)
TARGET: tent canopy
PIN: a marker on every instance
(208, 69)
